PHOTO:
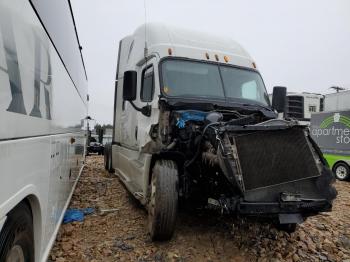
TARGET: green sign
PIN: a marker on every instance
(331, 131)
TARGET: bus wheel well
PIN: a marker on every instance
(34, 205)
(18, 231)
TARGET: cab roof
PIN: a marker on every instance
(170, 41)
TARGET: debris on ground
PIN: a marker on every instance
(74, 214)
(117, 231)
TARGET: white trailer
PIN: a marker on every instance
(301, 106)
(43, 98)
(337, 101)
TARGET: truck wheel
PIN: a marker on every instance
(110, 166)
(106, 157)
(16, 237)
(341, 171)
(162, 208)
(289, 228)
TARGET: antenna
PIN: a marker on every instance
(337, 88)
(146, 49)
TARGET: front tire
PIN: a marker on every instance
(16, 237)
(162, 208)
(342, 171)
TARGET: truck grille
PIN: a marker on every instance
(269, 158)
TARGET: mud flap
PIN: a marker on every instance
(290, 219)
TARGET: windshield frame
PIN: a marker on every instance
(202, 98)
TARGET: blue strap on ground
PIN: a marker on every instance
(73, 214)
(190, 115)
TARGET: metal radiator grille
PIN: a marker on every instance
(274, 157)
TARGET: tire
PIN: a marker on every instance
(289, 228)
(162, 207)
(16, 237)
(341, 171)
(106, 157)
(110, 162)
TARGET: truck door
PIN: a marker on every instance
(135, 125)
(148, 95)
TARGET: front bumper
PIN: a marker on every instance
(306, 208)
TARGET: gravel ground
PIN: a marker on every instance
(121, 234)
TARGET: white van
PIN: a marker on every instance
(193, 126)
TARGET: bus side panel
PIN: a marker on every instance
(41, 141)
(25, 166)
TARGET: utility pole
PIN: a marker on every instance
(337, 88)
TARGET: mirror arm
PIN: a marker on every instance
(134, 106)
(146, 110)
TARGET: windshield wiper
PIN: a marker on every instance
(258, 106)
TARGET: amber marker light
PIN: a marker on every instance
(207, 55)
(254, 65)
(217, 57)
(170, 52)
(226, 58)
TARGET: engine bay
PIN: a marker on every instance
(244, 161)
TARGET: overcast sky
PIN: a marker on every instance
(303, 45)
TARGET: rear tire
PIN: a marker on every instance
(162, 208)
(289, 228)
(16, 237)
(341, 171)
(106, 157)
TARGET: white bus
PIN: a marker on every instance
(43, 98)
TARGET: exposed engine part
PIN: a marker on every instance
(209, 155)
(229, 162)
(154, 131)
(246, 120)
(214, 117)
(152, 147)
(246, 164)
(224, 204)
(172, 145)
(164, 127)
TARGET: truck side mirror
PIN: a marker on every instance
(130, 90)
(279, 98)
(130, 85)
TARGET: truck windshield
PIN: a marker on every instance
(197, 79)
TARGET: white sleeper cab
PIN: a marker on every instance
(194, 127)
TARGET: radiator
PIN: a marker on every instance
(275, 157)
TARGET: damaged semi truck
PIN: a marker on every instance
(193, 125)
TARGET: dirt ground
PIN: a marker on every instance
(120, 234)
